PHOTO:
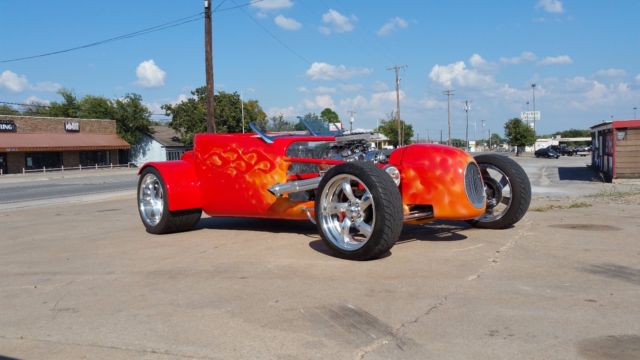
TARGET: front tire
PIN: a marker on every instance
(359, 211)
(508, 192)
(153, 206)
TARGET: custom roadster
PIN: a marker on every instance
(359, 197)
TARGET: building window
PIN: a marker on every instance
(92, 158)
(174, 154)
(49, 160)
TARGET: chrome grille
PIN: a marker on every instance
(474, 186)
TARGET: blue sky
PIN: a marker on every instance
(584, 56)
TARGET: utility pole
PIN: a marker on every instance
(449, 93)
(635, 113)
(208, 60)
(467, 107)
(397, 69)
(440, 136)
(483, 132)
(351, 120)
(533, 89)
(428, 137)
(489, 133)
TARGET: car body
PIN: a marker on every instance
(547, 152)
(348, 188)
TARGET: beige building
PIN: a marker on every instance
(33, 143)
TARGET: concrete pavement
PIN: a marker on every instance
(84, 280)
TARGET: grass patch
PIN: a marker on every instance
(614, 193)
(549, 207)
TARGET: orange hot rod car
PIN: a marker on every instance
(358, 196)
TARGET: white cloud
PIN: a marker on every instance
(638, 78)
(524, 57)
(302, 89)
(379, 86)
(336, 22)
(286, 112)
(385, 97)
(392, 25)
(611, 73)
(351, 87)
(36, 100)
(272, 4)
(13, 82)
(556, 60)
(19, 83)
(324, 71)
(476, 60)
(357, 102)
(324, 90)
(431, 103)
(287, 23)
(149, 74)
(459, 75)
(320, 102)
(551, 6)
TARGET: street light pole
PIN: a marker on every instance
(467, 107)
(635, 113)
(533, 89)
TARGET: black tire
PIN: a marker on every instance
(520, 191)
(386, 209)
(169, 221)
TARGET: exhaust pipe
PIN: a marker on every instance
(295, 186)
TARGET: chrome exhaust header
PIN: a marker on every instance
(280, 190)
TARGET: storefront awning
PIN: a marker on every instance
(60, 142)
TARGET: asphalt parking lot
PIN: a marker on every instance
(82, 279)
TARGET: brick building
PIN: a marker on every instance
(31, 143)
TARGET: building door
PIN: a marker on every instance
(3, 164)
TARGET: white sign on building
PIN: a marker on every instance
(530, 115)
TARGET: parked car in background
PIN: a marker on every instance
(563, 150)
(547, 152)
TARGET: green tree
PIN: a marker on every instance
(67, 108)
(95, 107)
(8, 110)
(330, 116)
(519, 134)
(189, 117)
(496, 140)
(312, 119)
(574, 133)
(459, 143)
(132, 117)
(278, 123)
(389, 128)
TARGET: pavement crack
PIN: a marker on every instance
(397, 334)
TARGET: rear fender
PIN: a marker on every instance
(181, 182)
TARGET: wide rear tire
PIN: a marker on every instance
(508, 192)
(153, 206)
(359, 211)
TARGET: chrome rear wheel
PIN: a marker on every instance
(151, 199)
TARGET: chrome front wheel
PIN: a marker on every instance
(359, 210)
(151, 199)
(347, 212)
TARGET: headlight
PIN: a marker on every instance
(394, 173)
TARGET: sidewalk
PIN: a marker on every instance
(67, 174)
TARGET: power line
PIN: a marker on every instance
(145, 31)
(236, 6)
(273, 36)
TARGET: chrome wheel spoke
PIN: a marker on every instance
(506, 200)
(347, 191)
(345, 229)
(365, 201)
(364, 228)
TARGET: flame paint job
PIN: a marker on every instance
(229, 174)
